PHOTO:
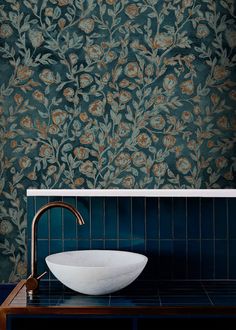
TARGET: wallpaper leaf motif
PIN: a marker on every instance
(112, 94)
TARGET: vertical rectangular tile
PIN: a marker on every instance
(30, 215)
(166, 218)
(232, 259)
(179, 217)
(70, 221)
(193, 217)
(220, 205)
(43, 223)
(55, 215)
(138, 245)
(124, 210)
(111, 218)
(232, 217)
(179, 259)
(152, 218)
(28, 257)
(97, 218)
(82, 204)
(84, 244)
(207, 262)
(97, 244)
(111, 244)
(125, 244)
(55, 246)
(207, 218)
(194, 261)
(166, 259)
(153, 264)
(43, 252)
(221, 259)
(70, 244)
(138, 217)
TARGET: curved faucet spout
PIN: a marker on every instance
(32, 281)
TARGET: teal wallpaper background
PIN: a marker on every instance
(112, 94)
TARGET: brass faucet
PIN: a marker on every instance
(32, 281)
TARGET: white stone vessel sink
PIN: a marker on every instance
(96, 272)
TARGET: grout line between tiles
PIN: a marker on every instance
(159, 234)
(63, 226)
(173, 237)
(200, 235)
(204, 289)
(145, 224)
(76, 228)
(90, 223)
(159, 296)
(131, 223)
(186, 237)
(214, 239)
(104, 222)
(117, 223)
(49, 236)
(227, 234)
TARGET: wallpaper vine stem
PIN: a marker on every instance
(112, 94)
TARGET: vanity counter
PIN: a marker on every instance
(140, 299)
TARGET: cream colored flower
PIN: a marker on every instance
(125, 96)
(24, 162)
(139, 158)
(59, 116)
(183, 165)
(47, 76)
(144, 140)
(85, 80)
(169, 141)
(122, 160)
(5, 31)
(158, 122)
(5, 227)
(159, 169)
(169, 83)
(87, 168)
(36, 38)
(86, 25)
(95, 52)
(132, 70)
(202, 31)
(132, 10)
(96, 108)
(128, 181)
(187, 87)
(81, 153)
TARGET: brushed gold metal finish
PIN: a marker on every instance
(33, 280)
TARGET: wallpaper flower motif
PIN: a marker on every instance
(118, 94)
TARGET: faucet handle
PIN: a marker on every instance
(32, 283)
(40, 276)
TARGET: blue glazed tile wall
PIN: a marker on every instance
(184, 238)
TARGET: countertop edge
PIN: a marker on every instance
(7, 309)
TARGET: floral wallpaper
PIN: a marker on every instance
(112, 94)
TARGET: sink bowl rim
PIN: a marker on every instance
(143, 259)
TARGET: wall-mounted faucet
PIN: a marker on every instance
(33, 280)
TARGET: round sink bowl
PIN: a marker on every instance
(96, 272)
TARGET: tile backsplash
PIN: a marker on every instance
(184, 238)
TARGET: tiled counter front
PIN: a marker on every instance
(184, 238)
